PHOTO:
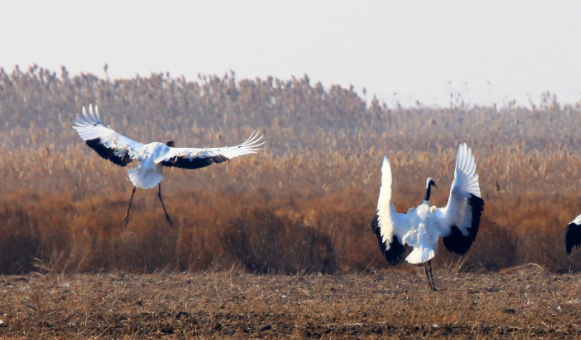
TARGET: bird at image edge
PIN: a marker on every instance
(153, 156)
(573, 234)
(457, 223)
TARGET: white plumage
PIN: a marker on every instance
(153, 156)
(421, 227)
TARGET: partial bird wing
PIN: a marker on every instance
(388, 225)
(192, 158)
(573, 234)
(104, 140)
(460, 219)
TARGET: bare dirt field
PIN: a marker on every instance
(519, 302)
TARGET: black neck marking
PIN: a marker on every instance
(428, 191)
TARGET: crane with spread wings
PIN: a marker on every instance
(153, 156)
(421, 227)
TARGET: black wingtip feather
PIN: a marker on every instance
(572, 237)
(108, 154)
(395, 252)
(458, 243)
(194, 163)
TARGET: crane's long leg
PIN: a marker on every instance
(428, 275)
(163, 205)
(431, 275)
(126, 218)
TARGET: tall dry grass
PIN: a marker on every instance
(303, 204)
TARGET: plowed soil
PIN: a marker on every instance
(522, 302)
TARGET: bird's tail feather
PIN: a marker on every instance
(143, 177)
(420, 255)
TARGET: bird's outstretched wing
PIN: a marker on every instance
(460, 218)
(104, 140)
(388, 225)
(573, 234)
(192, 158)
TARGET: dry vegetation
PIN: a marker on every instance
(303, 205)
(521, 303)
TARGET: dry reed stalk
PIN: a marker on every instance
(319, 174)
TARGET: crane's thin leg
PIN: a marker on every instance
(427, 275)
(163, 205)
(432, 275)
(126, 218)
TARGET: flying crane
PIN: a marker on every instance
(153, 156)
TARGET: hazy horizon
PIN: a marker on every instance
(488, 52)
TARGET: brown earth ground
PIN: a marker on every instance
(520, 302)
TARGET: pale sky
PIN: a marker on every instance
(490, 51)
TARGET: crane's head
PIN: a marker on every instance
(170, 143)
(429, 182)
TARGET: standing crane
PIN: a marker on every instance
(457, 223)
(153, 156)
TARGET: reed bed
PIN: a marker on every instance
(302, 205)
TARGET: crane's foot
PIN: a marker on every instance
(125, 220)
(168, 219)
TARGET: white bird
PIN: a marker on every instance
(457, 223)
(153, 156)
(573, 234)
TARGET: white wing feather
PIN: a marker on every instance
(390, 222)
(89, 127)
(250, 146)
(458, 212)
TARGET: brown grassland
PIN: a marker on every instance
(301, 207)
(519, 303)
